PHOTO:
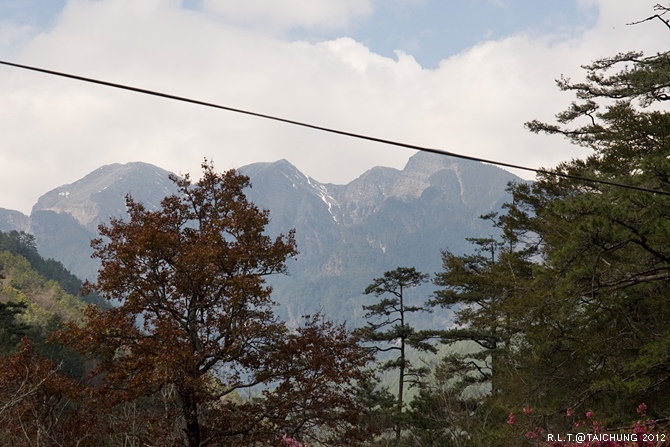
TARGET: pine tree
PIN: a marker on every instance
(580, 295)
(393, 332)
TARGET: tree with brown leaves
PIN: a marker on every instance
(37, 403)
(195, 316)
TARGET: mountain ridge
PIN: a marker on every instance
(346, 234)
(84, 198)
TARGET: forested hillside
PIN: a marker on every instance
(24, 245)
(36, 297)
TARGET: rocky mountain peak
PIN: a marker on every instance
(415, 177)
(295, 200)
(101, 194)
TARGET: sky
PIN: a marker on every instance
(457, 75)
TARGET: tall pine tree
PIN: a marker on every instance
(391, 332)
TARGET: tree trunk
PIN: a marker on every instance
(401, 383)
(190, 411)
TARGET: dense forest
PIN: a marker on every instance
(561, 323)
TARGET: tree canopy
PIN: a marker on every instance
(195, 317)
(570, 303)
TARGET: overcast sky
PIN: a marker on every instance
(459, 75)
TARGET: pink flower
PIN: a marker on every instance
(642, 409)
(527, 410)
(511, 419)
(589, 414)
(290, 442)
(568, 412)
(531, 435)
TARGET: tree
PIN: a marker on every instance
(490, 290)
(11, 328)
(24, 244)
(400, 335)
(36, 403)
(612, 251)
(584, 302)
(195, 316)
(448, 411)
(495, 297)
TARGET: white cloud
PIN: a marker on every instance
(13, 35)
(282, 14)
(56, 130)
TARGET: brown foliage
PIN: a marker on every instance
(195, 317)
(37, 405)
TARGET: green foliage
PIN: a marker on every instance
(448, 410)
(23, 244)
(569, 304)
(43, 298)
(34, 307)
(605, 249)
(12, 329)
(394, 333)
(492, 291)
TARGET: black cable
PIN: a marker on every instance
(327, 129)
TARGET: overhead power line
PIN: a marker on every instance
(328, 129)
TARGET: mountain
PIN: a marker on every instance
(101, 194)
(64, 220)
(13, 220)
(347, 235)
